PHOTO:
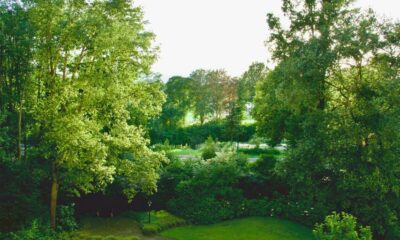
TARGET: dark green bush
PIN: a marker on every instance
(197, 134)
(259, 151)
(209, 149)
(66, 218)
(35, 231)
(210, 194)
(19, 195)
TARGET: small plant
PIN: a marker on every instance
(341, 227)
(35, 231)
(209, 149)
(257, 141)
(66, 218)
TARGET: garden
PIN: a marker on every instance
(97, 145)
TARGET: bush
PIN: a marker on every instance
(210, 194)
(341, 226)
(259, 151)
(20, 201)
(35, 231)
(160, 221)
(209, 149)
(66, 218)
(197, 134)
(256, 207)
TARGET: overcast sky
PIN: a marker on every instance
(215, 34)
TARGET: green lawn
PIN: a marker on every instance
(255, 228)
(186, 152)
(108, 228)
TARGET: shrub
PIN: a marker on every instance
(211, 195)
(150, 229)
(209, 149)
(197, 134)
(35, 231)
(20, 201)
(66, 218)
(259, 151)
(341, 226)
(256, 207)
(160, 221)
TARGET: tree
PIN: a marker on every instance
(179, 101)
(212, 91)
(88, 57)
(222, 90)
(329, 97)
(16, 43)
(256, 72)
(201, 95)
(233, 121)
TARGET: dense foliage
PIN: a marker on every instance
(79, 109)
(334, 95)
(197, 134)
(209, 195)
(341, 226)
(73, 102)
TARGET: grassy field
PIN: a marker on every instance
(187, 153)
(243, 229)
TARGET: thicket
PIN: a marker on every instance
(198, 134)
(225, 187)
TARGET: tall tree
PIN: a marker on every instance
(179, 101)
(257, 71)
(330, 98)
(87, 58)
(201, 94)
(16, 42)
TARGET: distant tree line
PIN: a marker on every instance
(211, 96)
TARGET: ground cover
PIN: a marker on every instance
(254, 228)
(117, 228)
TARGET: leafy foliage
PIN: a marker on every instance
(331, 96)
(341, 226)
(209, 194)
(209, 149)
(160, 221)
(197, 134)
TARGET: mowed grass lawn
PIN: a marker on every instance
(255, 228)
(118, 228)
(187, 152)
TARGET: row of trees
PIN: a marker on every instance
(209, 94)
(335, 96)
(71, 102)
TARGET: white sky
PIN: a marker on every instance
(215, 34)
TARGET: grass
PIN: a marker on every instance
(186, 152)
(254, 228)
(117, 228)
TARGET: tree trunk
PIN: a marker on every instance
(19, 141)
(53, 198)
